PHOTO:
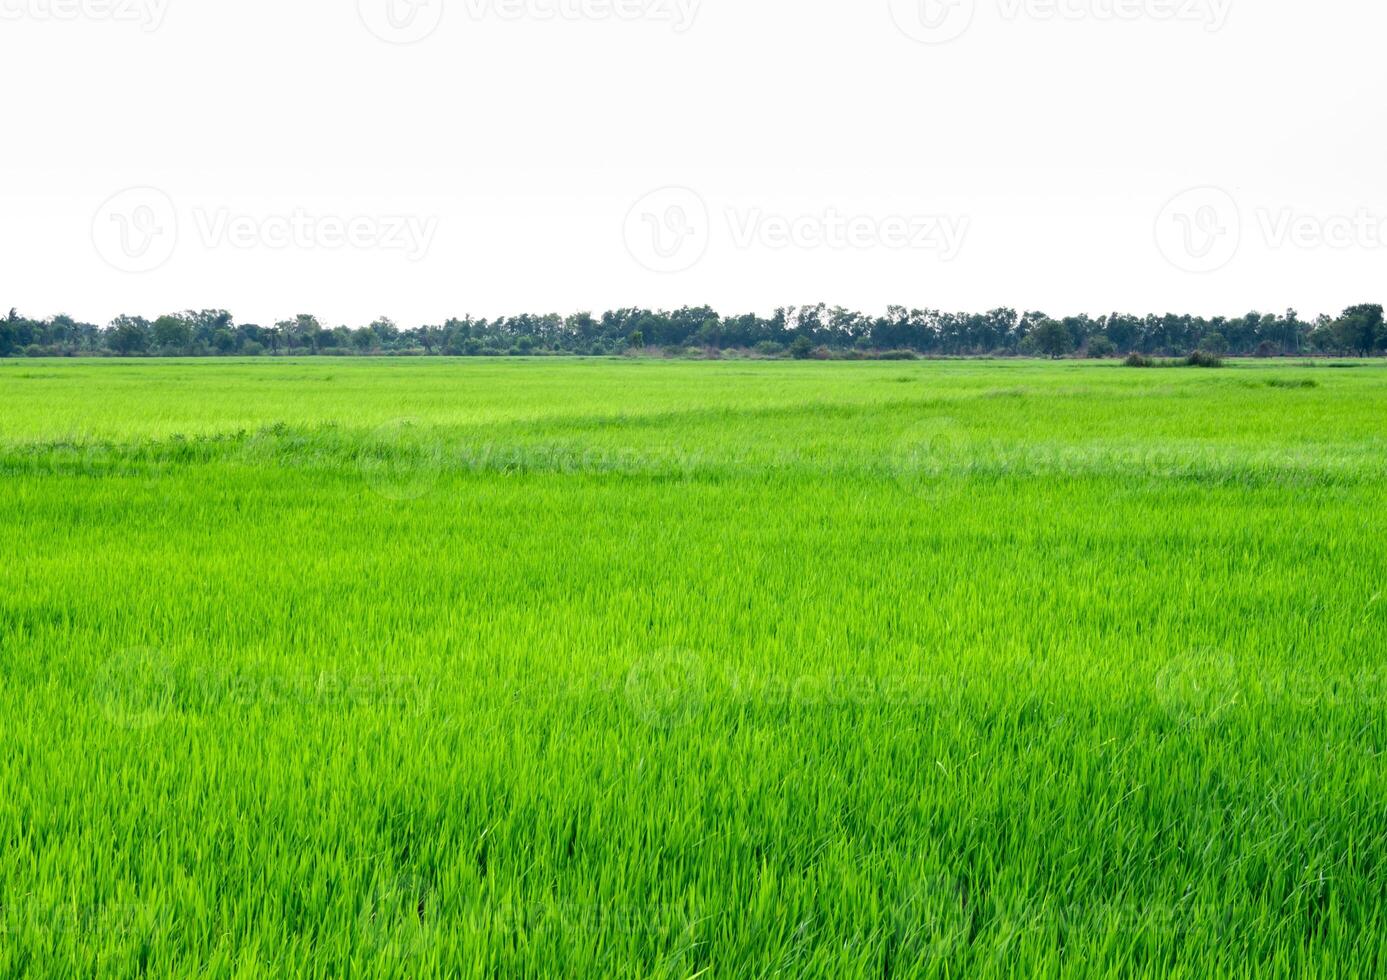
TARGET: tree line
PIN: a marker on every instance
(803, 331)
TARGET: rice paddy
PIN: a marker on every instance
(627, 668)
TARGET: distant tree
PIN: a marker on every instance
(1052, 338)
(223, 341)
(364, 339)
(172, 334)
(129, 335)
(801, 348)
(1101, 346)
(1214, 343)
(386, 332)
(1360, 329)
(302, 331)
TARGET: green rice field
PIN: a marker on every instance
(637, 668)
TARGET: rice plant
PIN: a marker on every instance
(666, 669)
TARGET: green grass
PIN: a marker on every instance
(648, 669)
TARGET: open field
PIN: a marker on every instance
(659, 669)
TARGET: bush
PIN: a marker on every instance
(1266, 349)
(1139, 360)
(801, 348)
(1101, 347)
(769, 348)
(1203, 359)
(898, 355)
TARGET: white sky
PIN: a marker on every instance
(1042, 145)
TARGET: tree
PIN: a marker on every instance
(129, 335)
(224, 341)
(1052, 338)
(172, 334)
(1214, 343)
(1101, 346)
(801, 348)
(1360, 329)
(385, 331)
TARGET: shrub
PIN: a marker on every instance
(801, 348)
(1139, 360)
(1266, 349)
(1203, 359)
(769, 348)
(898, 355)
